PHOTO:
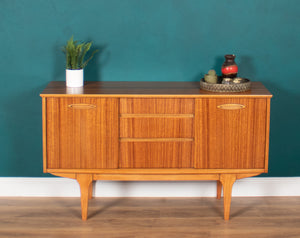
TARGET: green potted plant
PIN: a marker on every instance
(75, 61)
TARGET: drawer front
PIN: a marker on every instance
(157, 127)
(230, 133)
(156, 106)
(156, 133)
(156, 154)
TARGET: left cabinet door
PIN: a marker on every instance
(82, 133)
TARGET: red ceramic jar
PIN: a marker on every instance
(229, 68)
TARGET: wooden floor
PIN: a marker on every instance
(150, 217)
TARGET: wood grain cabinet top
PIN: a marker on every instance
(155, 131)
(145, 89)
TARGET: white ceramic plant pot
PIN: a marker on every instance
(74, 90)
(74, 77)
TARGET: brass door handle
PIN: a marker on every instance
(81, 106)
(231, 106)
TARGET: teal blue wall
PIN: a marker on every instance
(161, 40)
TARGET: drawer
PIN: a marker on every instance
(157, 106)
(157, 127)
(156, 154)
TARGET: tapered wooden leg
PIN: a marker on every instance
(84, 181)
(219, 189)
(91, 190)
(227, 181)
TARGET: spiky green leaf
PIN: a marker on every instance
(75, 54)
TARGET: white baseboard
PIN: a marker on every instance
(64, 187)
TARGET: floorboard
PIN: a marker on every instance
(150, 217)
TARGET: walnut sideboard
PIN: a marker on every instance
(146, 131)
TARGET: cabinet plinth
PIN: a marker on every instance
(152, 131)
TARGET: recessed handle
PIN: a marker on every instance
(231, 106)
(81, 106)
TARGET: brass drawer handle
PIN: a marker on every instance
(231, 106)
(81, 106)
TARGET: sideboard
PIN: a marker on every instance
(154, 131)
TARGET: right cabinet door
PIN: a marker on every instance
(230, 133)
